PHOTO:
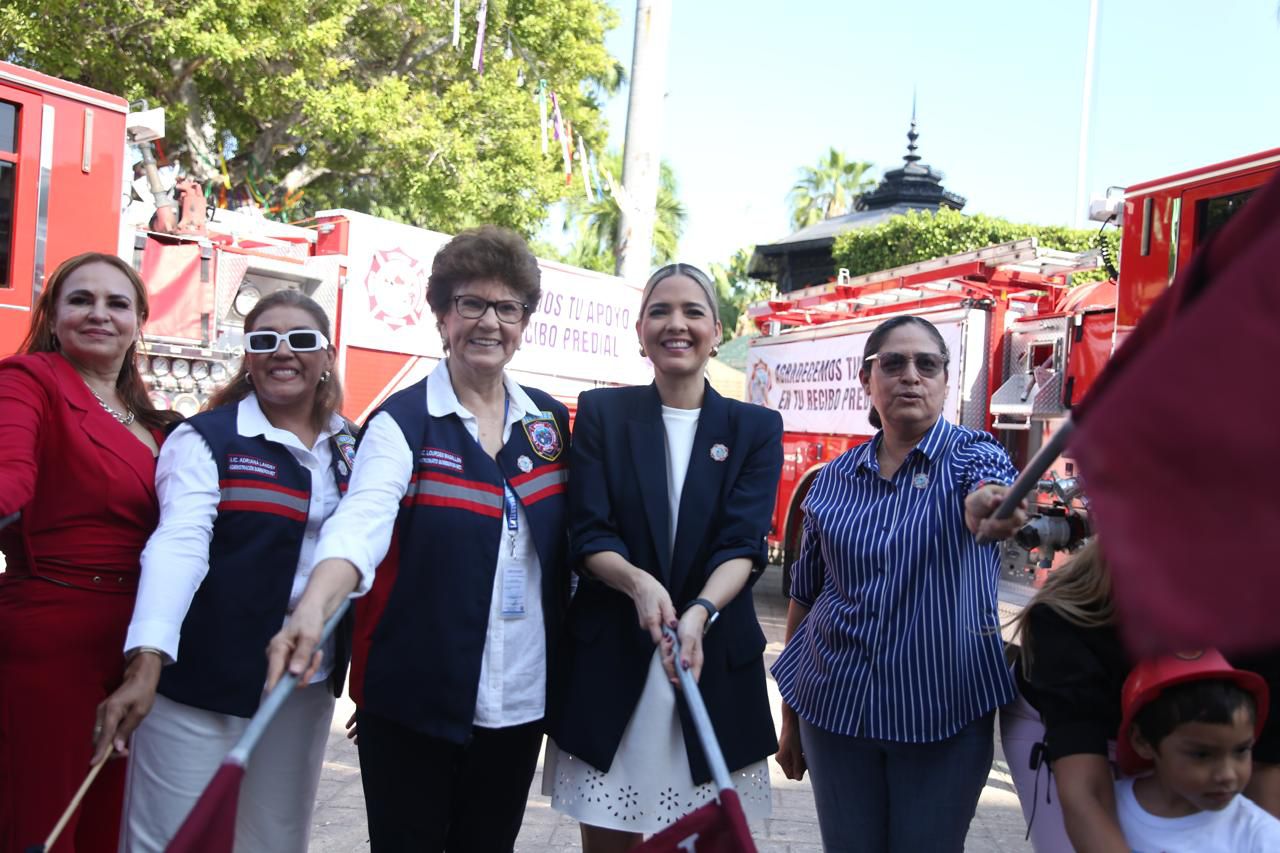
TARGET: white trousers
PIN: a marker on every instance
(178, 748)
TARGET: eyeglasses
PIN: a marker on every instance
(300, 340)
(928, 364)
(506, 310)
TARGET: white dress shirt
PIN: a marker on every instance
(176, 558)
(513, 670)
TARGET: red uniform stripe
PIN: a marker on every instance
(265, 484)
(262, 506)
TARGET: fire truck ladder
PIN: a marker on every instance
(994, 272)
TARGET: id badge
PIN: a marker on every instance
(513, 585)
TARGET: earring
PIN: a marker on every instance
(643, 354)
(715, 351)
(324, 377)
(57, 344)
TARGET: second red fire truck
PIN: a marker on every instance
(1025, 344)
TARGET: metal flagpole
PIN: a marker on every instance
(701, 720)
(239, 754)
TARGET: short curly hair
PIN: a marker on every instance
(477, 254)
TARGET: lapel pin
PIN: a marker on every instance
(719, 452)
(920, 481)
(525, 464)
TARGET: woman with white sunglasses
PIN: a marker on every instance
(244, 488)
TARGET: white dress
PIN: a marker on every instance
(649, 784)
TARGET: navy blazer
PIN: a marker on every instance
(618, 502)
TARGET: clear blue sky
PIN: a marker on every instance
(757, 90)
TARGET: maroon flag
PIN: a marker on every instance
(1179, 444)
(717, 827)
(211, 825)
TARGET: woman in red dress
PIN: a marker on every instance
(78, 440)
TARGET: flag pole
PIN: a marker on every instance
(10, 519)
(701, 719)
(1030, 476)
(239, 754)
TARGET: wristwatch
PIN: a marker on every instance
(712, 613)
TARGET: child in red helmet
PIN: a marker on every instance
(1193, 718)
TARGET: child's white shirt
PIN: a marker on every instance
(1241, 827)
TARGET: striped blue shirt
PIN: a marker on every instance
(902, 639)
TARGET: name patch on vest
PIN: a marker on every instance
(438, 458)
(543, 434)
(251, 465)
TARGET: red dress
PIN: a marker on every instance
(86, 489)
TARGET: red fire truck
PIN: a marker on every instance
(1026, 345)
(67, 186)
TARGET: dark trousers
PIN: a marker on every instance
(877, 796)
(425, 795)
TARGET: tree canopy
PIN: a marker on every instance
(305, 104)
(828, 189)
(920, 235)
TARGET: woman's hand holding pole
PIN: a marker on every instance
(652, 601)
(295, 647)
(121, 712)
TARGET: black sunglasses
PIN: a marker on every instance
(928, 364)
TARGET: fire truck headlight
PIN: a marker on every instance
(186, 404)
(199, 370)
(160, 366)
(246, 298)
(180, 368)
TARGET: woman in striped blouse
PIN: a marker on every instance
(894, 665)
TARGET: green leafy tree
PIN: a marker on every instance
(921, 235)
(736, 290)
(828, 189)
(304, 104)
(595, 224)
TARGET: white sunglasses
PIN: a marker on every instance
(299, 340)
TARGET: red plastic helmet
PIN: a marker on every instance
(1150, 678)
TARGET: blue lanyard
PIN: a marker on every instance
(508, 496)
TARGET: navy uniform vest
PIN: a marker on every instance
(420, 632)
(253, 557)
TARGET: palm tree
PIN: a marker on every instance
(829, 189)
(596, 246)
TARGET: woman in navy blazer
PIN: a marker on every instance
(78, 439)
(671, 491)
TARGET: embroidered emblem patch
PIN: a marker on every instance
(525, 464)
(920, 481)
(719, 452)
(543, 435)
(347, 447)
(438, 458)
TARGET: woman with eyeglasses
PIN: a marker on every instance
(456, 517)
(894, 663)
(244, 488)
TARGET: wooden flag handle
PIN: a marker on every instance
(75, 801)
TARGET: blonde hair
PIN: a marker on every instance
(1079, 592)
